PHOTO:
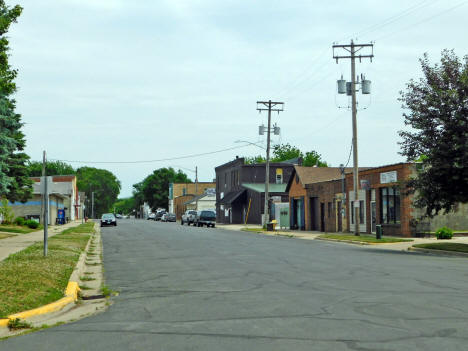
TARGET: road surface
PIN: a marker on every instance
(188, 288)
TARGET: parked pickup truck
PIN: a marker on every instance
(206, 217)
(188, 217)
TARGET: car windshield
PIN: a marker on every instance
(193, 212)
(108, 216)
(208, 214)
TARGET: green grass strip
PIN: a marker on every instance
(30, 280)
(255, 230)
(363, 238)
(444, 246)
(18, 229)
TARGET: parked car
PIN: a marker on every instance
(159, 215)
(108, 219)
(152, 216)
(188, 217)
(171, 217)
(164, 217)
(119, 216)
(205, 217)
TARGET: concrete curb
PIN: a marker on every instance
(71, 293)
(345, 241)
(438, 252)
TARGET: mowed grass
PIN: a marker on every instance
(255, 230)
(444, 246)
(18, 229)
(30, 280)
(363, 238)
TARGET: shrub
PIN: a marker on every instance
(6, 212)
(19, 221)
(444, 233)
(32, 224)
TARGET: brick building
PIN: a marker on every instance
(316, 198)
(382, 201)
(188, 190)
(240, 190)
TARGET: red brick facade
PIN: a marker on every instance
(373, 177)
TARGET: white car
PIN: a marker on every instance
(152, 216)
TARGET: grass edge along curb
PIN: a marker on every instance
(71, 292)
(440, 249)
(71, 296)
(361, 240)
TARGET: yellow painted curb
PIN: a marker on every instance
(71, 295)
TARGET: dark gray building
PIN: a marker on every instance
(240, 189)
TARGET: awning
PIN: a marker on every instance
(230, 197)
(260, 187)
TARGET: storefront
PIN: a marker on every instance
(381, 200)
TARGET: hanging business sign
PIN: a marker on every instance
(388, 177)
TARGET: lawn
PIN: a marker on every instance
(255, 230)
(364, 238)
(30, 280)
(18, 229)
(444, 246)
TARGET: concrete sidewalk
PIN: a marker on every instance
(312, 235)
(19, 242)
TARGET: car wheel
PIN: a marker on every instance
(181, 222)
(115, 224)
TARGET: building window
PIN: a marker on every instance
(352, 212)
(225, 179)
(183, 191)
(390, 205)
(329, 210)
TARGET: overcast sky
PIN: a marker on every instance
(121, 80)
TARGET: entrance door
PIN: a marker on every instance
(322, 217)
(340, 217)
(313, 213)
(373, 216)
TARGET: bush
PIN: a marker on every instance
(444, 233)
(6, 212)
(19, 221)
(32, 224)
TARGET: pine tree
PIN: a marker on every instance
(14, 182)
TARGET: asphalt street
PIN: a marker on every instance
(188, 288)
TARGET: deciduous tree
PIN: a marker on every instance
(436, 110)
(154, 189)
(103, 183)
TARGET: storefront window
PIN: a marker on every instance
(390, 205)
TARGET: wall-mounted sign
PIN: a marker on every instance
(276, 198)
(365, 184)
(388, 177)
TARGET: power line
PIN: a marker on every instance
(349, 157)
(394, 18)
(157, 160)
(424, 20)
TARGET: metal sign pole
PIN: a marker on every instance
(45, 203)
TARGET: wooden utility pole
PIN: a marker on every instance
(269, 104)
(353, 49)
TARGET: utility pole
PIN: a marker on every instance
(196, 187)
(352, 49)
(45, 203)
(92, 204)
(269, 104)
